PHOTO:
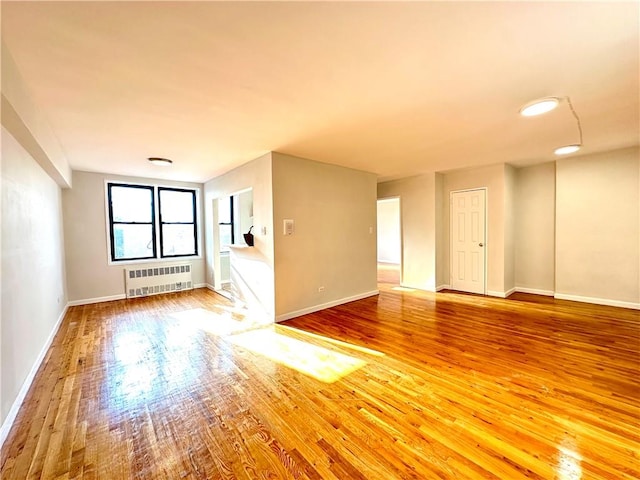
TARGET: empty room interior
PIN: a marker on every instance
(320, 240)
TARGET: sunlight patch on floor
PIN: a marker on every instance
(222, 323)
(317, 362)
(340, 343)
(403, 289)
(261, 337)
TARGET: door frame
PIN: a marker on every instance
(486, 233)
(393, 197)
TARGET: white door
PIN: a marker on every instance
(468, 245)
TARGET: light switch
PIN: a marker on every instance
(288, 226)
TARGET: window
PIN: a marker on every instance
(133, 227)
(226, 223)
(178, 232)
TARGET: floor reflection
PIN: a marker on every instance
(151, 362)
(568, 466)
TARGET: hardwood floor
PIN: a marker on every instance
(402, 385)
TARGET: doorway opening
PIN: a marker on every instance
(389, 242)
(232, 217)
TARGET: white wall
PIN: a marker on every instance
(89, 275)
(535, 228)
(418, 214)
(598, 227)
(28, 126)
(389, 247)
(33, 276)
(257, 176)
(334, 242)
(509, 229)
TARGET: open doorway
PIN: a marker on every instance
(389, 242)
(233, 216)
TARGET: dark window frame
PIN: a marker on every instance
(232, 222)
(112, 222)
(194, 223)
(156, 223)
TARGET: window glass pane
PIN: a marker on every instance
(225, 236)
(178, 240)
(132, 241)
(224, 210)
(131, 204)
(176, 206)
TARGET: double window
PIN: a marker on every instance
(147, 222)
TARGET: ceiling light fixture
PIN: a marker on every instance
(165, 162)
(546, 104)
(540, 106)
(566, 150)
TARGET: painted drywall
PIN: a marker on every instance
(89, 274)
(33, 275)
(418, 214)
(493, 178)
(598, 226)
(333, 244)
(257, 176)
(389, 247)
(509, 229)
(28, 125)
(442, 272)
(535, 228)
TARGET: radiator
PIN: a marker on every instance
(140, 282)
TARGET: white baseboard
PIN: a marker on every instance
(210, 287)
(88, 301)
(495, 293)
(26, 385)
(442, 287)
(535, 291)
(598, 301)
(120, 296)
(322, 306)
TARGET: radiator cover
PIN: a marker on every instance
(141, 282)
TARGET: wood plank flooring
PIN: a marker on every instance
(401, 385)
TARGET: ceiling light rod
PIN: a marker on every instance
(546, 104)
(165, 162)
(576, 117)
(567, 149)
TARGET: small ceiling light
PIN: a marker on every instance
(566, 150)
(165, 162)
(540, 106)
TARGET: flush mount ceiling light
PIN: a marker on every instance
(567, 149)
(165, 162)
(540, 106)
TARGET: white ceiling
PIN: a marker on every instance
(394, 88)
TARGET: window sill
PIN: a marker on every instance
(155, 261)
